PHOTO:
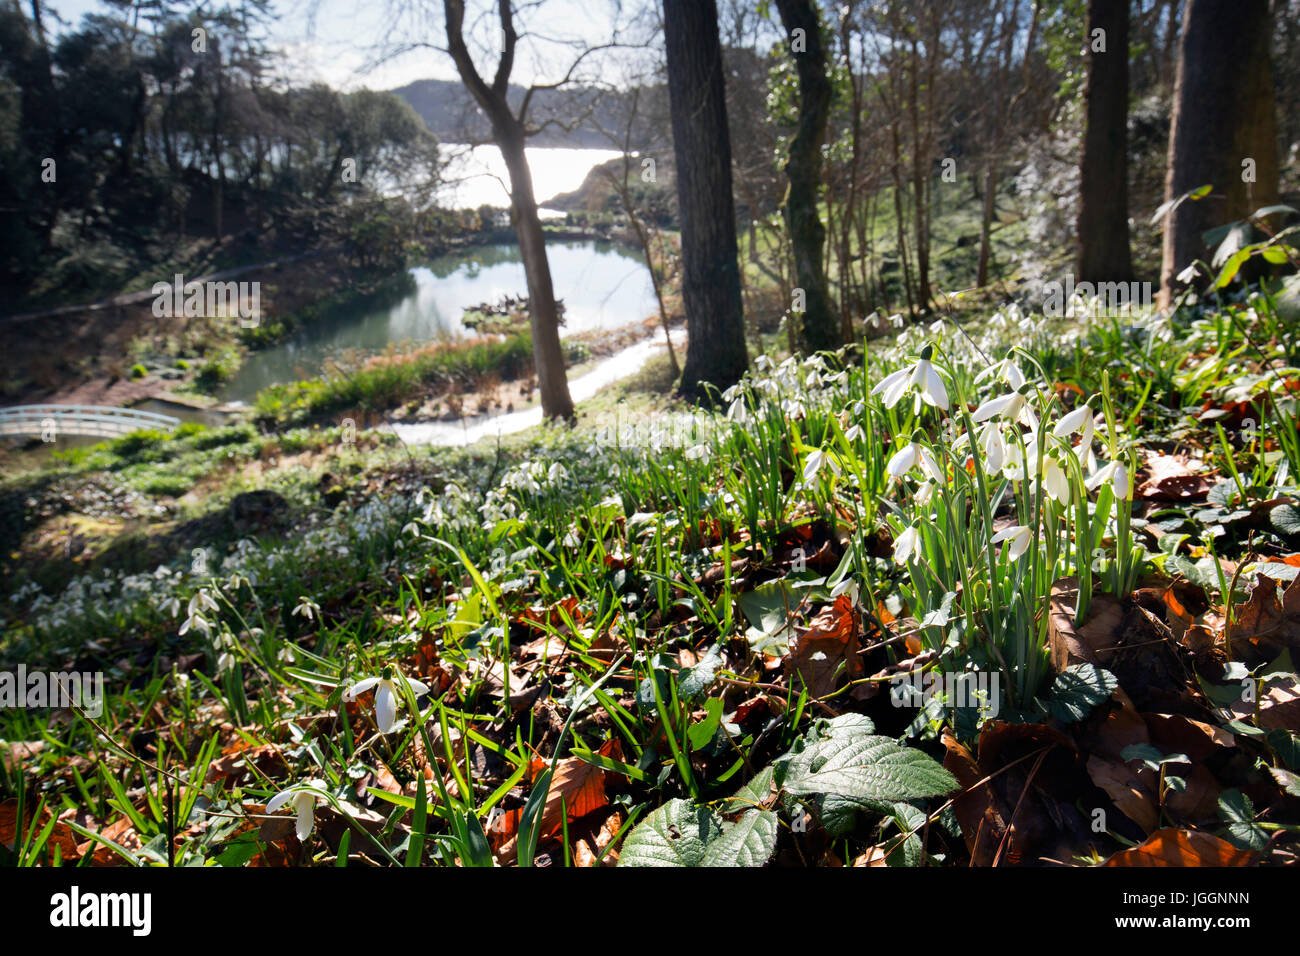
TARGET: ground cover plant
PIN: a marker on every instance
(998, 590)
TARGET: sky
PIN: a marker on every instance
(350, 43)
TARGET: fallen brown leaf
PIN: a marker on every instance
(1171, 847)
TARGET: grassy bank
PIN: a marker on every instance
(709, 624)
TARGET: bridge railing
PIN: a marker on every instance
(93, 420)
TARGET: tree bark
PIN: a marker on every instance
(803, 169)
(715, 355)
(1223, 116)
(1103, 233)
(509, 135)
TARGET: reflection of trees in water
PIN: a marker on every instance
(472, 261)
(386, 294)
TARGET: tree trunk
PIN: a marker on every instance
(543, 316)
(715, 353)
(803, 169)
(1103, 233)
(508, 132)
(1223, 117)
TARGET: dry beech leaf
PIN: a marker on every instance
(1172, 847)
(830, 643)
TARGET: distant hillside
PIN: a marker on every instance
(451, 113)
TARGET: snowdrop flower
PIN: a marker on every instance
(1012, 406)
(307, 608)
(201, 601)
(907, 546)
(907, 457)
(924, 493)
(385, 696)
(848, 586)
(1116, 473)
(854, 432)
(814, 464)
(1018, 535)
(921, 374)
(304, 797)
(1055, 481)
(1006, 370)
(994, 447)
(1081, 419)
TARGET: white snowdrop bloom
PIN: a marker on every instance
(1010, 407)
(907, 546)
(1007, 371)
(922, 375)
(854, 432)
(1055, 481)
(930, 465)
(1188, 274)
(896, 320)
(814, 464)
(1019, 536)
(303, 797)
(1079, 420)
(993, 446)
(1073, 422)
(202, 601)
(903, 460)
(196, 621)
(696, 453)
(848, 586)
(924, 493)
(307, 608)
(1116, 473)
(386, 694)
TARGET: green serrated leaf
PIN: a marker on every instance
(909, 820)
(747, 842)
(676, 834)
(872, 772)
(1287, 747)
(1236, 810)
(1078, 689)
(757, 791)
(693, 681)
(1285, 520)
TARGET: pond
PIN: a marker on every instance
(602, 285)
